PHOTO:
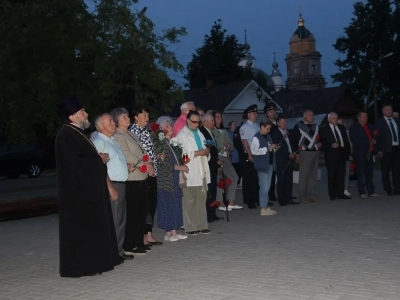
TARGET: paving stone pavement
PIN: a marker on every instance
(347, 250)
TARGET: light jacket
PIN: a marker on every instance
(197, 165)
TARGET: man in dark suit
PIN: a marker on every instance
(270, 113)
(362, 139)
(388, 150)
(336, 146)
(284, 169)
(214, 163)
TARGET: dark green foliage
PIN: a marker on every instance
(51, 49)
(373, 32)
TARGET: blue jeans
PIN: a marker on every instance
(264, 181)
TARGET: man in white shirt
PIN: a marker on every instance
(388, 149)
(250, 179)
(336, 146)
(117, 170)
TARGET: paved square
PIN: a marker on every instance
(347, 250)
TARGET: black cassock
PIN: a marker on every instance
(88, 242)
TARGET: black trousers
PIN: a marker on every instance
(336, 167)
(136, 213)
(250, 188)
(285, 179)
(152, 200)
(212, 194)
(391, 163)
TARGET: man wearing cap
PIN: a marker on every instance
(270, 113)
(250, 178)
(88, 243)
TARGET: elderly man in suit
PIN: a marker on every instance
(284, 168)
(336, 146)
(388, 149)
(214, 163)
(361, 136)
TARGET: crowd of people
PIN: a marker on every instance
(113, 183)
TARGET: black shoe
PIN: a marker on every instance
(204, 231)
(210, 220)
(156, 243)
(293, 202)
(192, 232)
(333, 198)
(282, 204)
(217, 219)
(293, 197)
(137, 251)
(270, 204)
(126, 257)
(344, 197)
(252, 206)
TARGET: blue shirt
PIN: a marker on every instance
(117, 167)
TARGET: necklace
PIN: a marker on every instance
(73, 127)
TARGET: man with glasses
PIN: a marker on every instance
(195, 191)
(250, 178)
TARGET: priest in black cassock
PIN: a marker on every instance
(88, 244)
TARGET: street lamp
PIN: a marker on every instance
(372, 87)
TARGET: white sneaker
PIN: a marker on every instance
(375, 195)
(267, 212)
(181, 236)
(224, 208)
(364, 196)
(171, 238)
(347, 193)
(234, 207)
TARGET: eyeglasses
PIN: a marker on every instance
(195, 122)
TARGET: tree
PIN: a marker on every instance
(372, 33)
(217, 60)
(50, 49)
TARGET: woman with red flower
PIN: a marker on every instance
(169, 193)
(363, 139)
(137, 183)
(141, 120)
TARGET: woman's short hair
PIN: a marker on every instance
(265, 123)
(193, 113)
(138, 109)
(163, 120)
(116, 113)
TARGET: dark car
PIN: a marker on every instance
(21, 159)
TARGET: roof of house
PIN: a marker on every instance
(216, 98)
(320, 101)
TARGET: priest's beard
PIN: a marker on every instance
(84, 124)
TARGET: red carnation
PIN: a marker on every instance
(213, 204)
(154, 127)
(228, 182)
(352, 166)
(143, 168)
(145, 158)
(317, 137)
(300, 147)
(221, 184)
(376, 132)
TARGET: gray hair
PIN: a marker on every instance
(207, 116)
(186, 104)
(97, 119)
(164, 120)
(116, 113)
(331, 114)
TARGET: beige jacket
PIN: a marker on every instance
(132, 150)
